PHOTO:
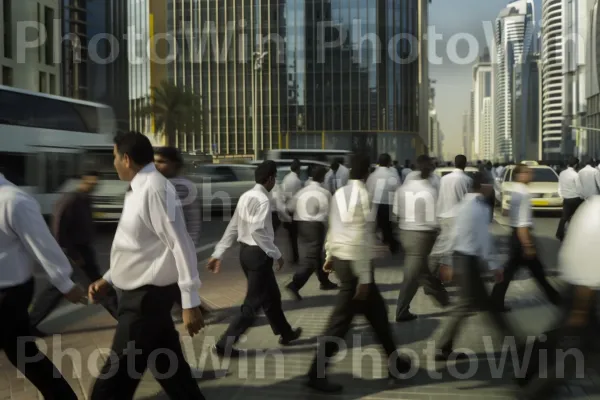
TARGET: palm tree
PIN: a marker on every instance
(175, 110)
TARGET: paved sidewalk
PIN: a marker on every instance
(277, 373)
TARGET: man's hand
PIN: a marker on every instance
(213, 265)
(499, 275)
(362, 291)
(328, 267)
(76, 295)
(446, 273)
(577, 319)
(193, 320)
(280, 264)
(98, 289)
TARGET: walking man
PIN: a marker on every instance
(337, 176)
(415, 208)
(568, 189)
(349, 249)
(290, 185)
(382, 185)
(252, 227)
(589, 181)
(152, 261)
(522, 245)
(73, 228)
(25, 239)
(311, 210)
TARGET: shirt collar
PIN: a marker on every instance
(458, 170)
(139, 178)
(261, 188)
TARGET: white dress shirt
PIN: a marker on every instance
(278, 204)
(453, 188)
(472, 229)
(311, 203)
(25, 239)
(589, 180)
(338, 179)
(415, 204)
(152, 245)
(251, 224)
(520, 206)
(579, 253)
(382, 185)
(405, 172)
(568, 184)
(290, 185)
(434, 179)
(351, 226)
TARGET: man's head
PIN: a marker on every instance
(522, 173)
(488, 165)
(340, 160)
(425, 165)
(573, 162)
(318, 174)
(295, 167)
(132, 151)
(479, 185)
(266, 174)
(385, 160)
(360, 165)
(89, 181)
(460, 162)
(168, 161)
(335, 165)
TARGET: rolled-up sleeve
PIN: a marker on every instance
(29, 225)
(260, 235)
(173, 233)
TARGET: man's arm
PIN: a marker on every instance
(259, 232)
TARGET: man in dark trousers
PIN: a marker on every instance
(569, 189)
(290, 185)
(522, 250)
(251, 226)
(152, 261)
(310, 207)
(73, 228)
(349, 252)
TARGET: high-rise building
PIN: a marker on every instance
(486, 129)
(513, 42)
(591, 140)
(31, 66)
(435, 144)
(482, 89)
(323, 80)
(526, 109)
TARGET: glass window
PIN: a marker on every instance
(244, 174)
(60, 167)
(13, 167)
(42, 82)
(544, 175)
(7, 76)
(52, 89)
(101, 161)
(49, 23)
(7, 22)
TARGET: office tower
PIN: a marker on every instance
(482, 90)
(592, 138)
(513, 42)
(526, 109)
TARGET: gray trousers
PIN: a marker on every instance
(417, 246)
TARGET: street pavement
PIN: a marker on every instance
(273, 372)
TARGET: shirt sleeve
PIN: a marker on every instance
(229, 237)
(260, 233)
(30, 227)
(524, 212)
(173, 233)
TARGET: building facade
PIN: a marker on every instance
(486, 129)
(483, 89)
(526, 109)
(34, 65)
(329, 74)
(591, 139)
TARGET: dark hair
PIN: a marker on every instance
(90, 173)
(385, 160)
(360, 166)
(424, 165)
(137, 147)
(309, 170)
(318, 173)
(170, 153)
(340, 160)
(478, 180)
(519, 169)
(460, 161)
(295, 167)
(265, 171)
(573, 161)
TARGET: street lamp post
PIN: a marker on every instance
(258, 60)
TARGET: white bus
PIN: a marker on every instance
(43, 139)
(327, 156)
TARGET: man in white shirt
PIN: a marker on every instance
(453, 188)
(152, 261)
(522, 243)
(382, 185)
(408, 168)
(310, 207)
(24, 240)
(434, 179)
(415, 208)
(252, 228)
(472, 246)
(290, 185)
(568, 189)
(349, 252)
(337, 176)
(589, 181)
(279, 211)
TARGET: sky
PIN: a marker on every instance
(454, 81)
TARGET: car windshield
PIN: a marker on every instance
(544, 175)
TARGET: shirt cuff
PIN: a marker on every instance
(107, 277)
(65, 286)
(190, 299)
(218, 254)
(275, 254)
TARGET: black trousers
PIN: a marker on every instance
(146, 338)
(473, 297)
(292, 228)
(311, 237)
(50, 297)
(346, 307)
(515, 261)
(569, 208)
(386, 226)
(276, 221)
(263, 293)
(20, 347)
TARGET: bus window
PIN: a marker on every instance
(13, 167)
(103, 162)
(60, 167)
(13, 111)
